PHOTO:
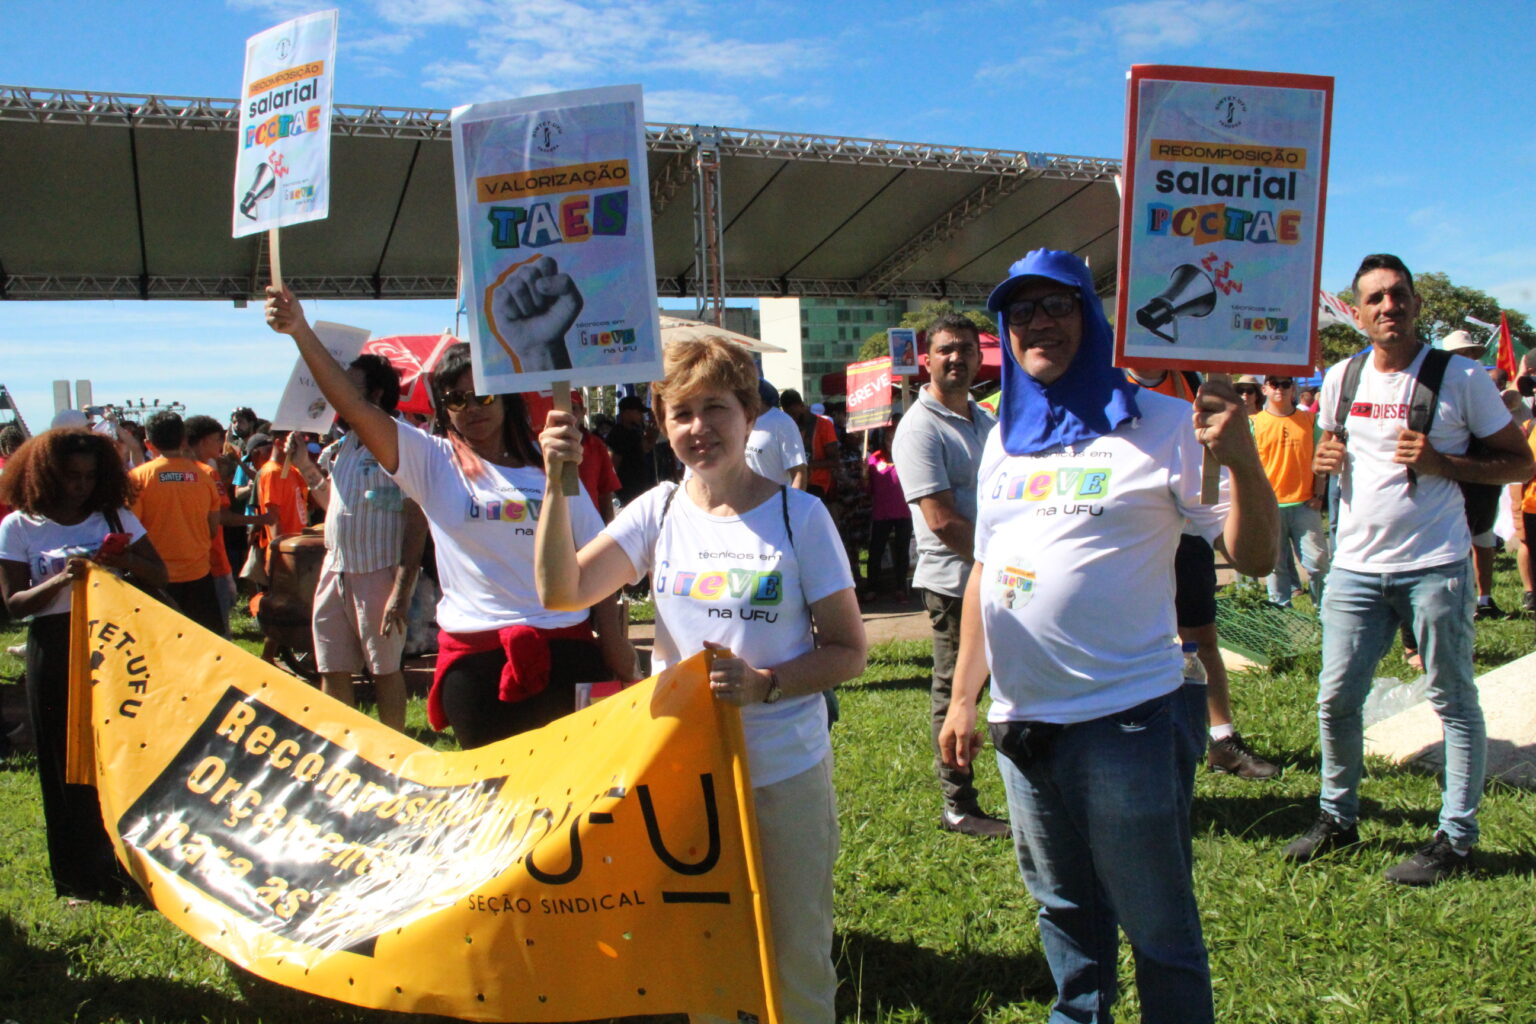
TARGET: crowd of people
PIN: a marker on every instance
(1064, 559)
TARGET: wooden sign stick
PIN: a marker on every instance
(275, 258)
(570, 482)
(1210, 469)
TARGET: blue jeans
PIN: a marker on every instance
(1101, 827)
(1360, 617)
(1301, 532)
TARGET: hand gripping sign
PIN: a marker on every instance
(603, 866)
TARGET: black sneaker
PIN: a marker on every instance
(975, 823)
(1433, 862)
(1327, 833)
(1233, 756)
(1489, 612)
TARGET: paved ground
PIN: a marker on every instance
(1508, 696)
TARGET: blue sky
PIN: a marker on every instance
(1432, 145)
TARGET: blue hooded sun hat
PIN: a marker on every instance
(1091, 399)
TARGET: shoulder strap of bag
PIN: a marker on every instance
(1426, 398)
(1347, 388)
(784, 508)
(114, 521)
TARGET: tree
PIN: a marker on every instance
(877, 345)
(1446, 306)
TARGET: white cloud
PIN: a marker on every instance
(686, 106)
(546, 45)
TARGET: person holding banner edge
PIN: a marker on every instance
(70, 491)
(505, 663)
(1083, 491)
(743, 563)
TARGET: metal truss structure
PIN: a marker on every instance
(684, 157)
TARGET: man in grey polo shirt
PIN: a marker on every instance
(937, 451)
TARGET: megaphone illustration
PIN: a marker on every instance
(262, 187)
(1190, 292)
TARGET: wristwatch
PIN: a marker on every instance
(774, 693)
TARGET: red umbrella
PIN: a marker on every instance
(413, 356)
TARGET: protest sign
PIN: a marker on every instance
(283, 148)
(555, 240)
(605, 865)
(903, 344)
(869, 394)
(1221, 229)
(302, 406)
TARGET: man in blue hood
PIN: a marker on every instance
(1083, 491)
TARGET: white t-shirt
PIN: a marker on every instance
(43, 546)
(1077, 545)
(743, 582)
(483, 531)
(774, 446)
(1383, 525)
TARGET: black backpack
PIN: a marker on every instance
(1481, 500)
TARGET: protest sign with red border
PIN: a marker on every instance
(869, 394)
(1221, 221)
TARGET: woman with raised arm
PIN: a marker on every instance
(505, 663)
(737, 561)
(70, 491)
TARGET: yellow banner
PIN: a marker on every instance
(314, 69)
(1284, 157)
(552, 180)
(605, 865)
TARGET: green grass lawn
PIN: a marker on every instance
(938, 927)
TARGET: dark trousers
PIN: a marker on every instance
(80, 853)
(944, 617)
(199, 601)
(472, 699)
(898, 534)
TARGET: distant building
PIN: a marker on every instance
(820, 336)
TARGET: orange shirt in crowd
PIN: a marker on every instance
(174, 498)
(824, 434)
(596, 470)
(218, 556)
(1285, 447)
(1528, 504)
(285, 492)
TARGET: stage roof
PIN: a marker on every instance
(113, 196)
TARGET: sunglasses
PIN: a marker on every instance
(458, 401)
(1247, 389)
(1282, 383)
(1056, 306)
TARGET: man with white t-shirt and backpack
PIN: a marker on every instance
(1400, 446)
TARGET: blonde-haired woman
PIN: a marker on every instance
(692, 537)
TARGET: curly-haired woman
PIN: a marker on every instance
(70, 491)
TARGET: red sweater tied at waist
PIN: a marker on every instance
(526, 672)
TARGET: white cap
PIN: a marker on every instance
(1461, 341)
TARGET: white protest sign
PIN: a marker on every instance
(283, 155)
(555, 240)
(302, 406)
(1221, 228)
(903, 345)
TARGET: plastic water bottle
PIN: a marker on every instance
(1194, 668)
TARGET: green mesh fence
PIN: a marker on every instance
(1262, 632)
